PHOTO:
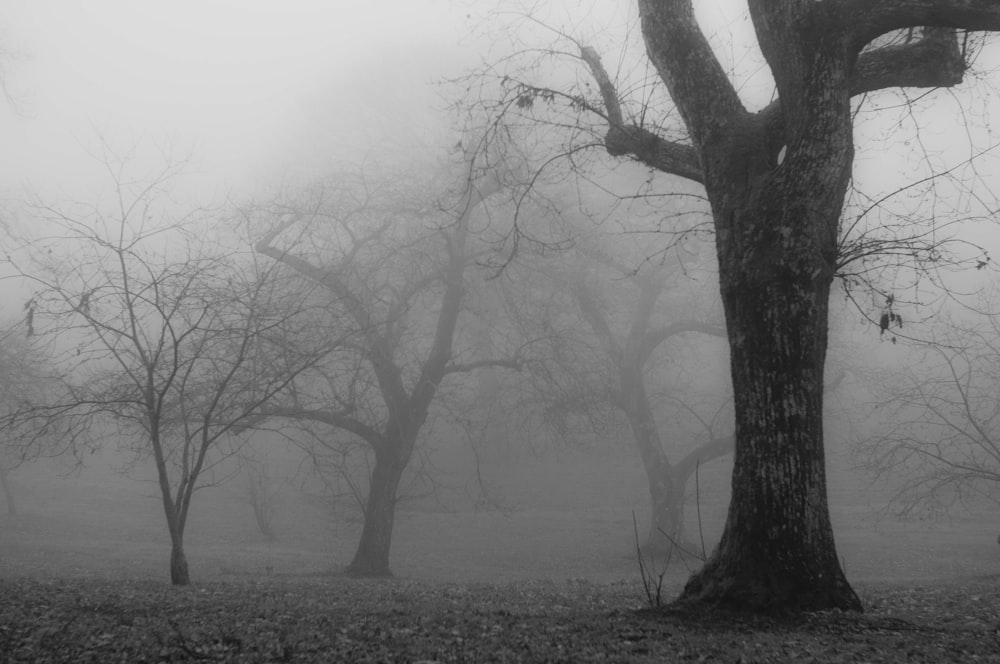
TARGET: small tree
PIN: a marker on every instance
(393, 255)
(173, 344)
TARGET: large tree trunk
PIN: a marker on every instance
(666, 521)
(777, 241)
(372, 555)
(777, 550)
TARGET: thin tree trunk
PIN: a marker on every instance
(665, 496)
(8, 493)
(178, 562)
(261, 502)
(372, 555)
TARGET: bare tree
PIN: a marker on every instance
(776, 181)
(605, 344)
(26, 375)
(392, 253)
(162, 332)
(938, 429)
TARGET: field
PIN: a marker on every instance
(552, 578)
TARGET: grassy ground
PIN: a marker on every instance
(83, 578)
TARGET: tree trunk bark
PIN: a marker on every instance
(372, 556)
(665, 496)
(8, 493)
(261, 502)
(178, 561)
(666, 525)
(777, 550)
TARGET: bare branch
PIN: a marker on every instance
(340, 419)
(655, 337)
(466, 367)
(639, 142)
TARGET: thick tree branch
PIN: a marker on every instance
(651, 287)
(693, 75)
(934, 60)
(319, 274)
(340, 419)
(657, 336)
(596, 319)
(639, 142)
(713, 449)
(882, 16)
(466, 367)
(434, 368)
(378, 347)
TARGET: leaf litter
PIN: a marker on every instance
(332, 619)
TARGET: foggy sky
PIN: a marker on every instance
(253, 87)
(267, 90)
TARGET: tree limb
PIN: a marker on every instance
(934, 60)
(657, 336)
(644, 145)
(466, 367)
(709, 451)
(693, 75)
(340, 419)
(882, 16)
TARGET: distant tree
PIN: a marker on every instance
(776, 181)
(393, 253)
(7, 57)
(604, 345)
(8, 491)
(938, 423)
(164, 332)
(11, 369)
(26, 374)
(261, 494)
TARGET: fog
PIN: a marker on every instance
(340, 116)
(251, 90)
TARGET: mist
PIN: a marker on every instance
(299, 290)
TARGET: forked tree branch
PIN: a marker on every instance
(695, 78)
(933, 60)
(655, 337)
(644, 145)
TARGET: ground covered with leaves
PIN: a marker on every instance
(333, 619)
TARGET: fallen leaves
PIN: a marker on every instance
(340, 619)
